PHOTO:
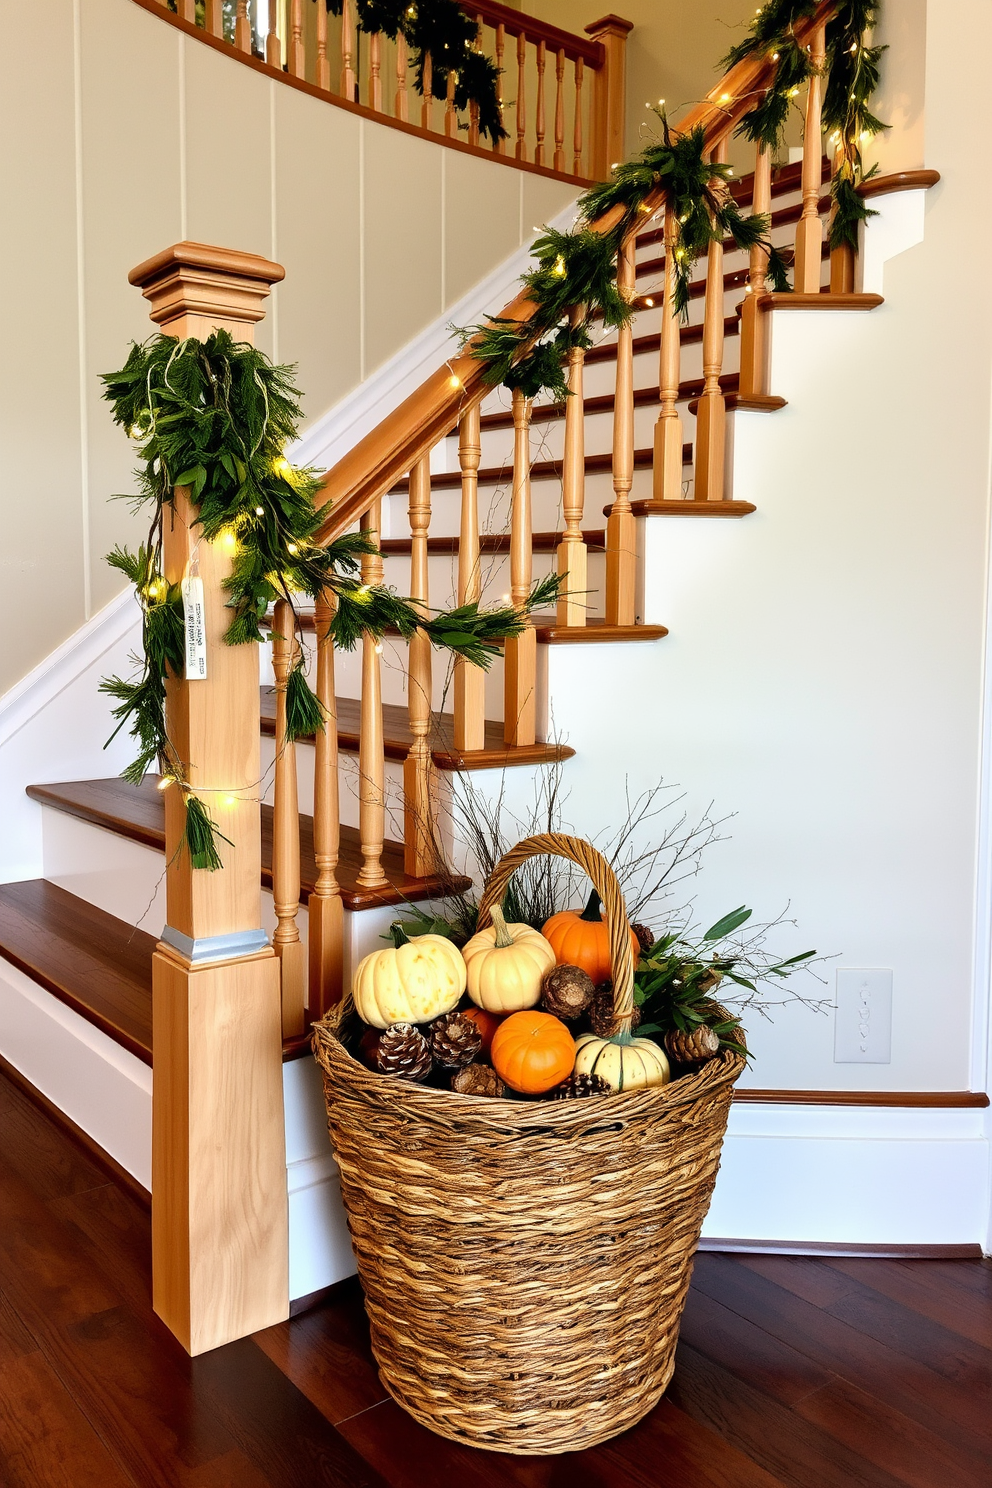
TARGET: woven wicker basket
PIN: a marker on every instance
(525, 1264)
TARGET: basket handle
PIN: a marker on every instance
(604, 881)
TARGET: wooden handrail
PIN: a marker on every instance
(514, 23)
(390, 450)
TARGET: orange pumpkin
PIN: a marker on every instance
(486, 1023)
(582, 938)
(532, 1052)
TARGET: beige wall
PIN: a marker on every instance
(121, 137)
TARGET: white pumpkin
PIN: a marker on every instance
(625, 1066)
(414, 981)
(506, 966)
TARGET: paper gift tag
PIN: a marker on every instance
(196, 635)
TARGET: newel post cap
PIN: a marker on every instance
(608, 25)
(221, 286)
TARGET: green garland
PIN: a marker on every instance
(578, 269)
(441, 30)
(853, 71)
(215, 417)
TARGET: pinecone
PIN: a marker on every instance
(692, 1048)
(567, 991)
(645, 937)
(601, 1019)
(577, 1086)
(404, 1051)
(454, 1039)
(478, 1079)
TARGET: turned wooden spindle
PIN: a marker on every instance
(349, 79)
(473, 122)
(520, 655)
(297, 57)
(540, 122)
(419, 852)
(427, 97)
(402, 105)
(754, 323)
(621, 534)
(242, 27)
(711, 414)
(559, 157)
(325, 909)
(668, 430)
(213, 17)
(499, 145)
(450, 117)
(375, 71)
(572, 554)
(470, 681)
(841, 258)
(809, 231)
(521, 149)
(577, 130)
(286, 835)
(273, 46)
(371, 749)
(323, 61)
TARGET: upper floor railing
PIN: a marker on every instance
(560, 96)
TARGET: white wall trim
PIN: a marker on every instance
(332, 435)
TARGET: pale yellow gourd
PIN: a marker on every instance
(414, 981)
(625, 1063)
(506, 966)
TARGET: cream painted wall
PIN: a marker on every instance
(122, 136)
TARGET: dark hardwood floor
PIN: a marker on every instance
(792, 1372)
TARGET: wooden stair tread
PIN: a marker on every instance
(550, 633)
(489, 542)
(398, 738)
(547, 412)
(692, 508)
(785, 180)
(138, 813)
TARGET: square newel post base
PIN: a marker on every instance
(220, 1215)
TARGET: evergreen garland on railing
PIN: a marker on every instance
(852, 70)
(215, 417)
(578, 269)
(441, 30)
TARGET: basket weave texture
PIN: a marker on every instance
(525, 1264)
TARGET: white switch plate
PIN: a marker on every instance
(863, 1021)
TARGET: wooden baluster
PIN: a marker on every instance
(473, 122)
(214, 17)
(273, 46)
(559, 159)
(809, 232)
(470, 681)
(325, 909)
(521, 150)
(842, 258)
(520, 655)
(450, 117)
(540, 122)
(572, 555)
(426, 107)
(621, 530)
(500, 145)
(286, 834)
(419, 851)
(371, 750)
(242, 27)
(323, 61)
(349, 80)
(754, 323)
(402, 107)
(375, 71)
(668, 436)
(711, 415)
(187, 10)
(297, 56)
(577, 131)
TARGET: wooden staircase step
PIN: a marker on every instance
(489, 542)
(606, 351)
(138, 814)
(546, 413)
(398, 738)
(785, 180)
(99, 966)
(550, 633)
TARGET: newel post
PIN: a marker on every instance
(219, 1202)
(609, 96)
